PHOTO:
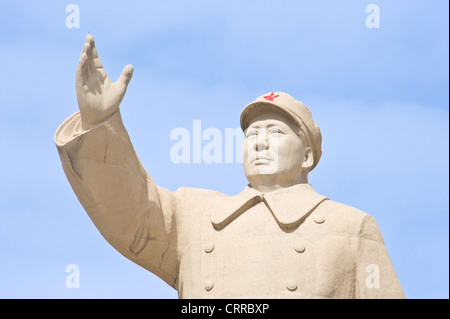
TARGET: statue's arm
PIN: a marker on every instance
(375, 274)
(131, 212)
(134, 215)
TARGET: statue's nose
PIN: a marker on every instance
(262, 141)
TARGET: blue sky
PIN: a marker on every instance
(379, 95)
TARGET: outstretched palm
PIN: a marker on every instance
(98, 97)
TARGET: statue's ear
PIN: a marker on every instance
(308, 160)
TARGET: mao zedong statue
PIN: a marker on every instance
(277, 238)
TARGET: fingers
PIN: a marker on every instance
(89, 62)
(96, 60)
(81, 68)
(90, 44)
(126, 75)
(86, 56)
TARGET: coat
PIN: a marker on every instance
(290, 243)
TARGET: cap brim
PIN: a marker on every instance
(256, 108)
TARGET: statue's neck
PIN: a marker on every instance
(270, 183)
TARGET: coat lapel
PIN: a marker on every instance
(229, 208)
(289, 206)
(292, 205)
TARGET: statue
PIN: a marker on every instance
(278, 238)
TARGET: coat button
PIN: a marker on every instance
(209, 247)
(209, 284)
(291, 285)
(319, 219)
(299, 248)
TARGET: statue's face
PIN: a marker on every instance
(272, 150)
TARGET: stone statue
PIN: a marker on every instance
(278, 238)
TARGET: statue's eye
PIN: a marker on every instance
(251, 133)
(275, 130)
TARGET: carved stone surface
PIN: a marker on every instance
(277, 238)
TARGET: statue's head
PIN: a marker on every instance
(282, 143)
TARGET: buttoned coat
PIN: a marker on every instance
(290, 243)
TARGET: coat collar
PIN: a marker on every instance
(289, 206)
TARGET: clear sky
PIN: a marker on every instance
(380, 96)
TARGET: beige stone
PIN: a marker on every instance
(277, 238)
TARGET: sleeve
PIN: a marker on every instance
(133, 214)
(375, 274)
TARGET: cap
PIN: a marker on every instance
(287, 105)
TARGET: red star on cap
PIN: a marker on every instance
(271, 97)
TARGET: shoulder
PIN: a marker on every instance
(190, 191)
(199, 197)
(339, 210)
(344, 218)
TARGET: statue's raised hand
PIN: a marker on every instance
(97, 96)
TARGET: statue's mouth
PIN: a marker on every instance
(262, 161)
